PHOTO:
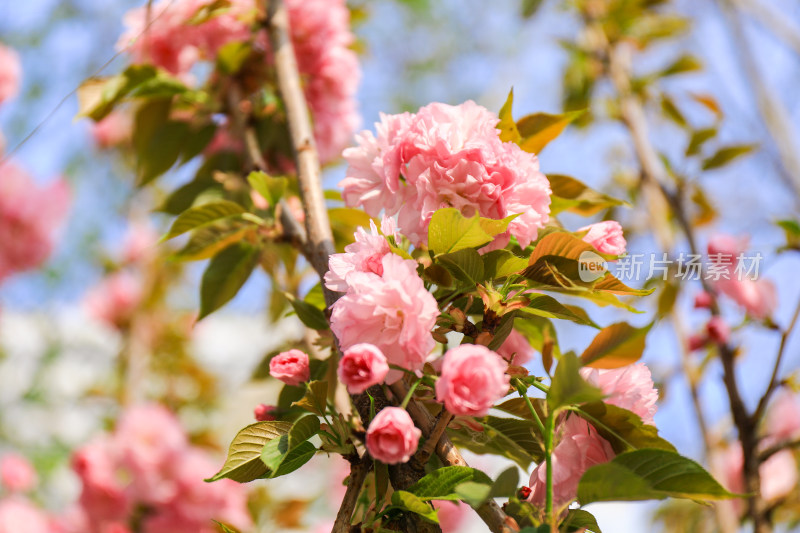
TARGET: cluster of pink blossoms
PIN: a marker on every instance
(147, 473)
(446, 156)
(579, 445)
(320, 32)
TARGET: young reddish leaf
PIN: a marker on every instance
(617, 345)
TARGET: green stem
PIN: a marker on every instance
(548, 450)
(541, 386)
(409, 394)
(524, 393)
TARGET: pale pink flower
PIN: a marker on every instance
(264, 413)
(451, 515)
(718, 330)
(393, 311)
(103, 495)
(758, 297)
(196, 503)
(19, 515)
(364, 255)
(148, 438)
(10, 73)
(783, 418)
(606, 237)
(392, 437)
(140, 244)
(17, 473)
(449, 156)
(579, 447)
(113, 130)
(30, 217)
(473, 378)
(362, 366)
(290, 367)
(115, 298)
(725, 249)
(778, 473)
(518, 347)
(630, 387)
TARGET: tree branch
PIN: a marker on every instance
(779, 447)
(359, 468)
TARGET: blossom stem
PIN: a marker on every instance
(550, 429)
(523, 392)
(409, 394)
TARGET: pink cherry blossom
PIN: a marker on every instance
(392, 437)
(579, 447)
(518, 347)
(103, 495)
(10, 73)
(364, 255)
(449, 156)
(264, 413)
(140, 243)
(473, 379)
(393, 311)
(17, 473)
(30, 217)
(19, 514)
(451, 515)
(290, 367)
(606, 237)
(113, 130)
(702, 300)
(362, 366)
(630, 387)
(783, 418)
(758, 297)
(115, 298)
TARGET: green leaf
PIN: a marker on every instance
(408, 501)
(648, 474)
(97, 97)
(548, 307)
(685, 63)
(225, 528)
(202, 215)
(465, 265)
(475, 494)
(280, 458)
(225, 275)
(157, 140)
(725, 155)
(579, 520)
(506, 483)
(499, 264)
(507, 126)
(623, 429)
(572, 195)
(315, 399)
(538, 129)
(450, 231)
(518, 407)
(615, 346)
(206, 242)
(512, 438)
(316, 297)
(271, 189)
(568, 387)
(672, 112)
(698, 139)
(303, 429)
(530, 7)
(231, 57)
(308, 314)
(441, 483)
(502, 331)
(243, 463)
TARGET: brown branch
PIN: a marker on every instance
(435, 436)
(779, 447)
(359, 468)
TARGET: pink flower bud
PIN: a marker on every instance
(16, 473)
(264, 413)
(718, 330)
(392, 437)
(702, 300)
(606, 237)
(696, 342)
(290, 367)
(473, 378)
(362, 366)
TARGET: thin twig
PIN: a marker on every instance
(429, 447)
(773, 380)
(779, 447)
(359, 468)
